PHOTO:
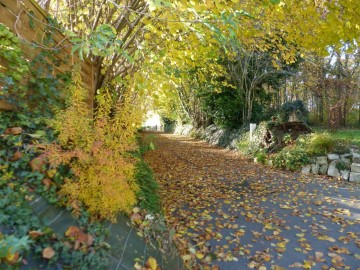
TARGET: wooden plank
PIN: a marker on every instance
(10, 9)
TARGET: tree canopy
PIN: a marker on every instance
(177, 52)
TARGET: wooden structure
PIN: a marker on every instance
(27, 20)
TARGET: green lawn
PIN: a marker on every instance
(350, 135)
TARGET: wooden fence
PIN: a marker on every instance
(27, 20)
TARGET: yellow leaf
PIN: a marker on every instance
(199, 255)
(152, 263)
(326, 238)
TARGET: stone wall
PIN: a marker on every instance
(213, 135)
(346, 166)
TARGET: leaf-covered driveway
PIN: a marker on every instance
(229, 213)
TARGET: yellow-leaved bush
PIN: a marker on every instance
(97, 150)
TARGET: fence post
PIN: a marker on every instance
(252, 129)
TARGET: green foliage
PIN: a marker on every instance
(47, 87)
(296, 107)
(257, 143)
(352, 136)
(324, 143)
(341, 165)
(261, 157)
(14, 70)
(320, 144)
(17, 218)
(224, 107)
(290, 158)
(10, 245)
(147, 193)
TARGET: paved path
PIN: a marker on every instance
(242, 215)
(126, 245)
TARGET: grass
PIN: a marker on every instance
(352, 136)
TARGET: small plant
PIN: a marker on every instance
(290, 158)
(261, 157)
(342, 166)
(11, 248)
(287, 139)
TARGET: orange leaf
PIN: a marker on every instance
(48, 253)
(35, 234)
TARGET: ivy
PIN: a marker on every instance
(14, 68)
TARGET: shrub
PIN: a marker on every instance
(320, 144)
(258, 142)
(97, 152)
(290, 158)
(261, 157)
(296, 106)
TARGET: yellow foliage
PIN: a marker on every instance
(97, 150)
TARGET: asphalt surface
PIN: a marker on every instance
(229, 213)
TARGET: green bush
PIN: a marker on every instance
(320, 144)
(323, 143)
(261, 157)
(296, 106)
(290, 158)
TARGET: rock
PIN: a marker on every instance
(355, 167)
(321, 160)
(345, 174)
(346, 160)
(354, 177)
(333, 157)
(315, 168)
(306, 169)
(356, 157)
(332, 170)
(323, 169)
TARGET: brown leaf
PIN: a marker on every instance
(72, 232)
(46, 182)
(35, 234)
(79, 236)
(136, 217)
(17, 155)
(12, 258)
(14, 130)
(48, 253)
(37, 163)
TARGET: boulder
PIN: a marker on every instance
(306, 169)
(345, 174)
(323, 169)
(354, 177)
(346, 158)
(355, 167)
(333, 157)
(315, 168)
(332, 170)
(356, 157)
(321, 160)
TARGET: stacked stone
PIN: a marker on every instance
(355, 169)
(328, 165)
